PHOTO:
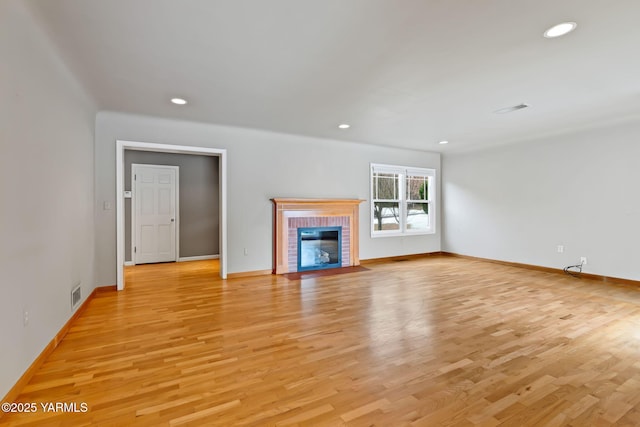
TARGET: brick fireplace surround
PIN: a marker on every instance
(291, 214)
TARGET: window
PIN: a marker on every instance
(402, 200)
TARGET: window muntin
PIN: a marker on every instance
(402, 200)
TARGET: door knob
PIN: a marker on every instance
(172, 219)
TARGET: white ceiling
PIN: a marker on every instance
(403, 73)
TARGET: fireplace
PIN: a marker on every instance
(319, 248)
(335, 221)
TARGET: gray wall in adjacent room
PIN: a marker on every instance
(199, 200)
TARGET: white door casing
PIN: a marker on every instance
(154, 213)
(121, 147)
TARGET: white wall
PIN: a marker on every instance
(261, 165)
(46, 191)
(517, 203)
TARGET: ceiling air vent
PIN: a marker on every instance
(510, 109)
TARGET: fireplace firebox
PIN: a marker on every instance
(319, 248)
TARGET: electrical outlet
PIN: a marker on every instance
(246, 251)
(560, 249)
(25, 317)
(583, 260)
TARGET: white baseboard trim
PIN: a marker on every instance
(129, 263)
(198, 258)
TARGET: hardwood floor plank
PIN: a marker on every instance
(431, 341)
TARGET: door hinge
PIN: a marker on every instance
(135, 176)
(135, 249)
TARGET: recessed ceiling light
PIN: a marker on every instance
(560, 30)
(512, 108)
(443, 142)
(178, 101)
(344, 126)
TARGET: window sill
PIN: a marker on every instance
(400, 234)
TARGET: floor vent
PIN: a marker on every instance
(76, 297)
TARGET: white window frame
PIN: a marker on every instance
(403, 172)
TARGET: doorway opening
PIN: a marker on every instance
(121, 147)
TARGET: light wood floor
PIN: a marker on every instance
(438, 341)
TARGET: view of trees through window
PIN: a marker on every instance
(386, 203)
(400, 201)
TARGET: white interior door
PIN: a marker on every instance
(154, 219)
